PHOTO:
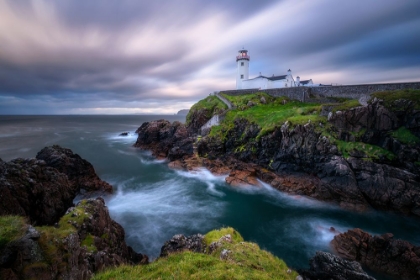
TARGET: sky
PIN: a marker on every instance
(161, 56)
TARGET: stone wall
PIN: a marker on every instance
(350, 91)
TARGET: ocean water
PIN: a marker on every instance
(153, 202)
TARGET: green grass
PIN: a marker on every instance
(211, 105)
(346, 105)
(389, 98)
(405, 136)
(51, 238)
(270, 116)
(245, 261)
(372, 152)
(216, 234)
(11, 228)
(241, 101)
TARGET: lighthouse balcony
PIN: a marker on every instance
(240, 57)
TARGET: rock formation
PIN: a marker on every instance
(165, 139)
(381, 253)
(44, 188)
(85, 240)
(327, 266)
(179, 243)
(80, 172)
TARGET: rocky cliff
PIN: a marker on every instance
(42, 236)
(43, 188)
(361, 157)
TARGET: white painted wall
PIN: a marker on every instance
(242, 72)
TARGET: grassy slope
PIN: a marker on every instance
(279, 110)
(268, 116)
(389, 98)
(245, 261)
(211, 104)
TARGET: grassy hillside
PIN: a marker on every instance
(244, 260)
(275, 112)
(210, 105)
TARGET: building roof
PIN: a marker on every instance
(305, 82)
(276, 78)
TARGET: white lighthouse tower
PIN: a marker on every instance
(242, 61)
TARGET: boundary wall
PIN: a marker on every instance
(348, 91)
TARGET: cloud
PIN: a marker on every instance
(91, 56)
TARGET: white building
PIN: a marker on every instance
(262, 82)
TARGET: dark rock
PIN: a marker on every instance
(42, 189)
(165, 139)
(30, 188)
(124, 134)
(180, 243)
(79, 171)
(381, 253)
(327, 266)
(93, 244)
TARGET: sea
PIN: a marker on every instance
(153, 202)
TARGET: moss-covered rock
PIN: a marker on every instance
(231, 258)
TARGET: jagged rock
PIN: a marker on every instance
(180, 243)
(165, 139)
(327, 266)
(92, 243)
(381, 253)
(198, 118)
(79, 171)
(30, 188)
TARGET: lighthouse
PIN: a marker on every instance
(242, 62)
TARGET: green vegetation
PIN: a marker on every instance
(370, 151)
(389, 98)
(243, 260)
(241, 101)
(405, 136)
(211, 105)
(270, 116)
(346, 105)
(51, 237)
(11, 228)
(216, 234)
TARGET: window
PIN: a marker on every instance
(242, 76)
(242, 64)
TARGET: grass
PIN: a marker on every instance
(241, 101)
(346, 105)
(389, 98)
(245, 260)
(216, 234)
(51, 237)
(270, 116)
(372, 152)
(405, 136)
(211, 105)
(11, 228)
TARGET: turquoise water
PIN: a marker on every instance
(153, 202)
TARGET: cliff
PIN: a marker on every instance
(42, 234)
(356, 156)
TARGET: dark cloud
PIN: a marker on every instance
(65, 56)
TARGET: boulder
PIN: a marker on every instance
(381, 253)
(327, 266)
(180, 243)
